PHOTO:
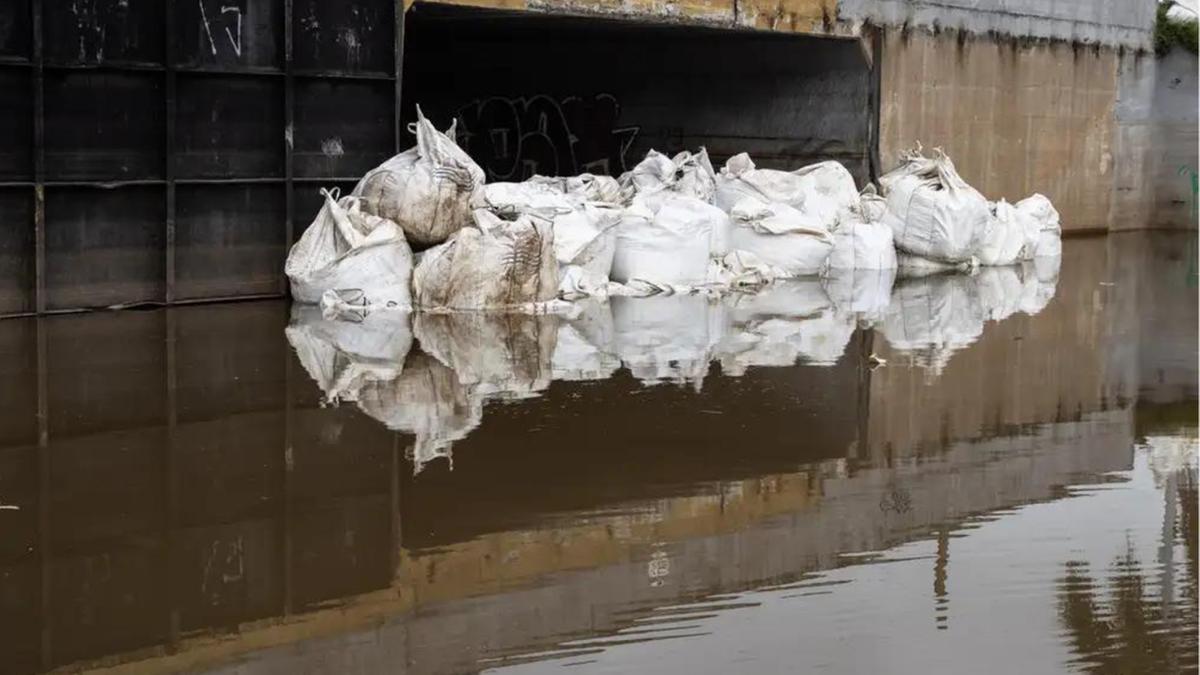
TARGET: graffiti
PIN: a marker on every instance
(234, 36)
(515, 138)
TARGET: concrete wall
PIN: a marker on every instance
(1156, 142)
(1015, 118)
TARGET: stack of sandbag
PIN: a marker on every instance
(349, 258)
(667, 238)
(932, 211)
(792, 242)
(584, 230)
(1043, 229)
(861, 240)
(493, 264)
(429, 190)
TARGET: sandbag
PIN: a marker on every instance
(861, 241)
(739, 179)
(686, 174)
(584, 187)
(360, 259)
(933, 212)
(666, 239)
(780, 236)
(664, 338)
(493, 264)
(1006, 238)
(428, 190)
(830, 190)
(584, 231)
(1044, 231)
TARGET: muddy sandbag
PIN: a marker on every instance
(584, 231)
(781, 236)
(932, 211)
(351, 256)
(342, 356)
(932, 317)
(784, 324)
(861, 241)
(585, 348)
(493, 264)
(664, 338)
(667, 239)
(428, 190)
(689, 174)
(428, 401)
(501, 355)
(1043, 229)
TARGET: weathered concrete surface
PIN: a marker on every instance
(1128, 23)
(1156, 142)
(1015, 118)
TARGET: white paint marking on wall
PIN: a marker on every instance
(235, 42)
(332, 147)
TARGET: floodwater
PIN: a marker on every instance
(948, 475)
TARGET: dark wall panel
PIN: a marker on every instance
(103, 31)
(351, 37)
(16, 250)
(16, 121)
(104, 126)
(342, 128)
(230, 240)
(104, 247)
(229, 127)
(18, 378)
(229, 34)
(561, 95)
(15, 31)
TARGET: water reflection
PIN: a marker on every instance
(191, 491)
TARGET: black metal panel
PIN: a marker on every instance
(16, 121)
(104, 31)
(229, 240)
(229, 127)
(229, 34)
(343, 128)
(350, 37)
(16, 251)
(104, 247)
(104, 126)
(15, 29)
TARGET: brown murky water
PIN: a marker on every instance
(669, 485)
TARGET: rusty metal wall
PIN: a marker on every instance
(160, 151)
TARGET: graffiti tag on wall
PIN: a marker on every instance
(515, 138)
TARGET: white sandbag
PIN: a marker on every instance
(860, 240)
(584, 187)
(780, 236)
(361, 258)
(830, 190)
(932, 317)
(666, 239)
(584, 232)
(1044, 230)
(495, 355)
(739, 179)
(864, 294)
(428, 401)
(784, 324)
(1005, 241)
(494, 264)
(686, 174)
(342, 356)
(428, 190)
(663, 338)
(1000, 290)
(933, 212)
(585, 349)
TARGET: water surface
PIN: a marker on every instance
(951, 474)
